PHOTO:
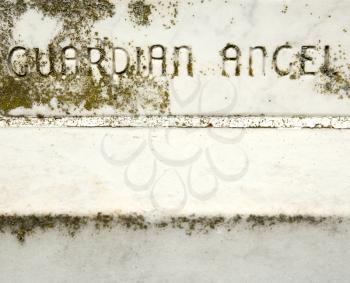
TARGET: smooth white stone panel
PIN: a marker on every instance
(201, 171)
(283, 254)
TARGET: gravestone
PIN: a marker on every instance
(174, 141)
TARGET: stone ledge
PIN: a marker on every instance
(71, 199)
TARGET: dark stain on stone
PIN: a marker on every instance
(23, 226)
(258, 220)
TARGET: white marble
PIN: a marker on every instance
(284, 254)
(175, 171)
(146, 171)
(82, 166)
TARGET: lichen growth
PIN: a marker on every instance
(81, 93)
(140, 12)
(78, 11)
(334, 76)
(333, 81)
(14, 94)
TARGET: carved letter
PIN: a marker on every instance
(10, 63)
(71, 58)
(38, 57)
(264, 53)
(274, 61)
(177, 60)
(127, 56)
(234, 58)
(162, 57)
(303, 58)
(139, 53)
(98, 62)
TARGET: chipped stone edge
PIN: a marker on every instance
(330, 122)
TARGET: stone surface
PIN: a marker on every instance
(279, 210)
(204, 171)
(147, 141)
(284, 254)
(174, 57)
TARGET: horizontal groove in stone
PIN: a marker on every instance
(179, 122)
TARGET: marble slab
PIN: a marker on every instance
(142, 57)
(164, 205)
(282, 253)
